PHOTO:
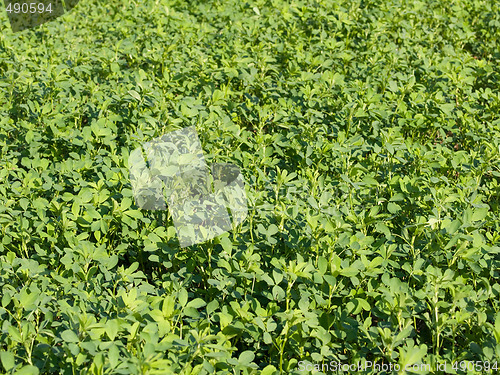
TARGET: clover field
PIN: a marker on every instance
(368, 134)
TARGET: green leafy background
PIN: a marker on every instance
(368, 133)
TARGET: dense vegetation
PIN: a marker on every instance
(368, 132)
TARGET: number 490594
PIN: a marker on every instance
(29, 8)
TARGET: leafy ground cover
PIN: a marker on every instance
(369, 137)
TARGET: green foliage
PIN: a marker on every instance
(369, 137)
